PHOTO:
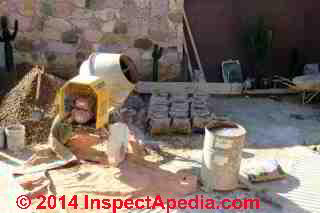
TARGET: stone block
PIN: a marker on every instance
(108, 27)
(80, 23)
(157, 100)
(200, 122)
(180, 107)
(47, 8)
(158, 111)
(113, 39)
(160, 126)
(24, 44)
(92, 35)
(120, 28)
(107, 14)
(23, 57)
(181, 126)
(176, 4)
(25, 22)
(58, 24)
(157, 114)
(143, 43)
(158, 35)
(70, 37)
(179, 98)
(59, 47)
(169, 72)
(51, 34)
(82, 14)
(166, 95)
(135, 102)
(176, 16)
(199, 106)
(200, 113)
(63, 9)
(114, 4)
(159, 8)
(200, 98)
(170, 56)
(79, 3)
(179, 114)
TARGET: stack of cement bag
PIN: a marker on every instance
(200, 113)
(158, 114)
(179, 112)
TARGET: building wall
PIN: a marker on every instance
(218, 24)
(67, 31)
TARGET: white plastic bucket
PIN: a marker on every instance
(118, 143)
(15, 137)
(2, 138)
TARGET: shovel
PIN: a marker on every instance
(37, 113)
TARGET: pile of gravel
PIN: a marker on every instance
(17, 105)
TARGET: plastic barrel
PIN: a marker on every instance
(222, 158)
(15, 135)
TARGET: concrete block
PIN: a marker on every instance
(200, 113)
(181, 126)
(200, 122)
(180, 99)
(157, 115)
(157, 100)
(183, 106)
(179, 114)
(160, 126)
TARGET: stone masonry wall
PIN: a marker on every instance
(64, 32)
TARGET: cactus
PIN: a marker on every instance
(156, 55)
(7, 37)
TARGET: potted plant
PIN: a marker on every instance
(257, 42)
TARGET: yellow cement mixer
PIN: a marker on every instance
(109, 78)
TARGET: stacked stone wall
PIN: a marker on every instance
(62, 33)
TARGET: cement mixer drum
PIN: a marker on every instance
(117, 71)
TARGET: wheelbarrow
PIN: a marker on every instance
(307, 85)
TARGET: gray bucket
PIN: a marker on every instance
(222, 151)
(15, 135)
(2, 138)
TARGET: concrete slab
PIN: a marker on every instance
(271, 123)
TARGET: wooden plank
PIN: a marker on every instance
(188, 88)
(145, 87)
(270, 92)
(193, 42)
(185, 47)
